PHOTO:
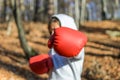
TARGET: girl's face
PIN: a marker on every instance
(53, 25)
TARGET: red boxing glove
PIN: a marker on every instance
(50, 41)
(41, 64)
(68, 42)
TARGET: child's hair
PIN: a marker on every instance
(53, 19)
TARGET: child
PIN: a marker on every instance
(63, 62)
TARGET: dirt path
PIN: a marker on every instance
(102, 58)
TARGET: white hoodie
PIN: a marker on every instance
(66, 68)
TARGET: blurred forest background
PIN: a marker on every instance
(23, 33)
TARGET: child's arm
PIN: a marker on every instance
(68, 42)
(41, 63)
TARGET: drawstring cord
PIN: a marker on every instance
(75, 76)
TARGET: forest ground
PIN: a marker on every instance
(102, 51)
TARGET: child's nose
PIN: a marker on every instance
(54, 27)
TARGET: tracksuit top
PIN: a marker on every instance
(66, 68)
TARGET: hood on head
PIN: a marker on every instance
(66, 21)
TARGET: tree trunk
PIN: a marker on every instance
(82, 16)
(5, 1)
(77, 12)
(9, 18)
(27, 49)
(50, 7)
(35, 10)
(9, 26)
(55, 6)
(41, 10)
(32, 9)
(117, 3)
(104, 9)
(116, 12)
